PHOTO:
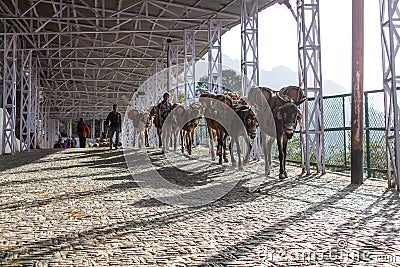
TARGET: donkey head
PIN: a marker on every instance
(133, 114)
(249, 119)
(289, 114)
(196, 110)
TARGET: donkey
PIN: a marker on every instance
(247, 119)
(139, 119)
(158, 120)
(194, 114)
(217, 108)
(170, 127)
(283, 108)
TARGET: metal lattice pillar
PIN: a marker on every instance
(93, 129)
(390, 15)
(70, 128)
(39, 117)
(249, 57)
(173, 71)
(9, 93)
(127, 137)
(149, 86)
(160, 77)
(102, 121)
(56, 128)
(214, 56)
(249, 35)
(34, 112)
(26, 100)
(47, 128)
(189, 66)
(42, 127)
(1, 72)
(310, 78)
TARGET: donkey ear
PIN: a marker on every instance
(279, 115)
(300, 101)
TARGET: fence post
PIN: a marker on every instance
(344, 131)
(367, 135)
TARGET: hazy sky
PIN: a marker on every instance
(278, 41)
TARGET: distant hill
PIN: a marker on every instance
(281, 76)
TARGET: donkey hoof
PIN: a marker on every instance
(234, 164)
(220, 161)
(282, 176)
(240, 167)
(267, 172)
(226, 160)
(285, 173)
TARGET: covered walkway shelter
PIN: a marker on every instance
(71, 59)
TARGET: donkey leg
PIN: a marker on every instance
(247, 150)
(267, 154)
(175, 140)
(146, 138)
(233, 160)
(224, 147)
(140, 140)
(182, 141)
(219, 149)
(211, 136)
(285, 141)
(281, 160)
(239, 154)
(189, 143)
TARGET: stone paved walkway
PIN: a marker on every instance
(81, 207)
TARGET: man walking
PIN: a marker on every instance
(83, 131)
(113, 122)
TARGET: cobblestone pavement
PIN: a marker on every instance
(81, 207)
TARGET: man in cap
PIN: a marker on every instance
(113, 122)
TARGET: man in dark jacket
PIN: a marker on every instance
(113, 122)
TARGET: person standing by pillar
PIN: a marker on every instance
(83, 131)
(114, 122)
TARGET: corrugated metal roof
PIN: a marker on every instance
(93, 52)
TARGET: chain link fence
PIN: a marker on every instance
(337, 126)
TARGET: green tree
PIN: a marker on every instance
(231, 82)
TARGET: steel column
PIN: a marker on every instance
(189, 66)
(93, 130)
(9, 93)
(357, 106)
(173, 71)
(150, 84)
(26, 118)
(34, 113)
(127, 133)
(390, 16)
(42, 127)
(102, 126)
(310, 78)
(214, 56)
(249, 40)
(160, 77)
